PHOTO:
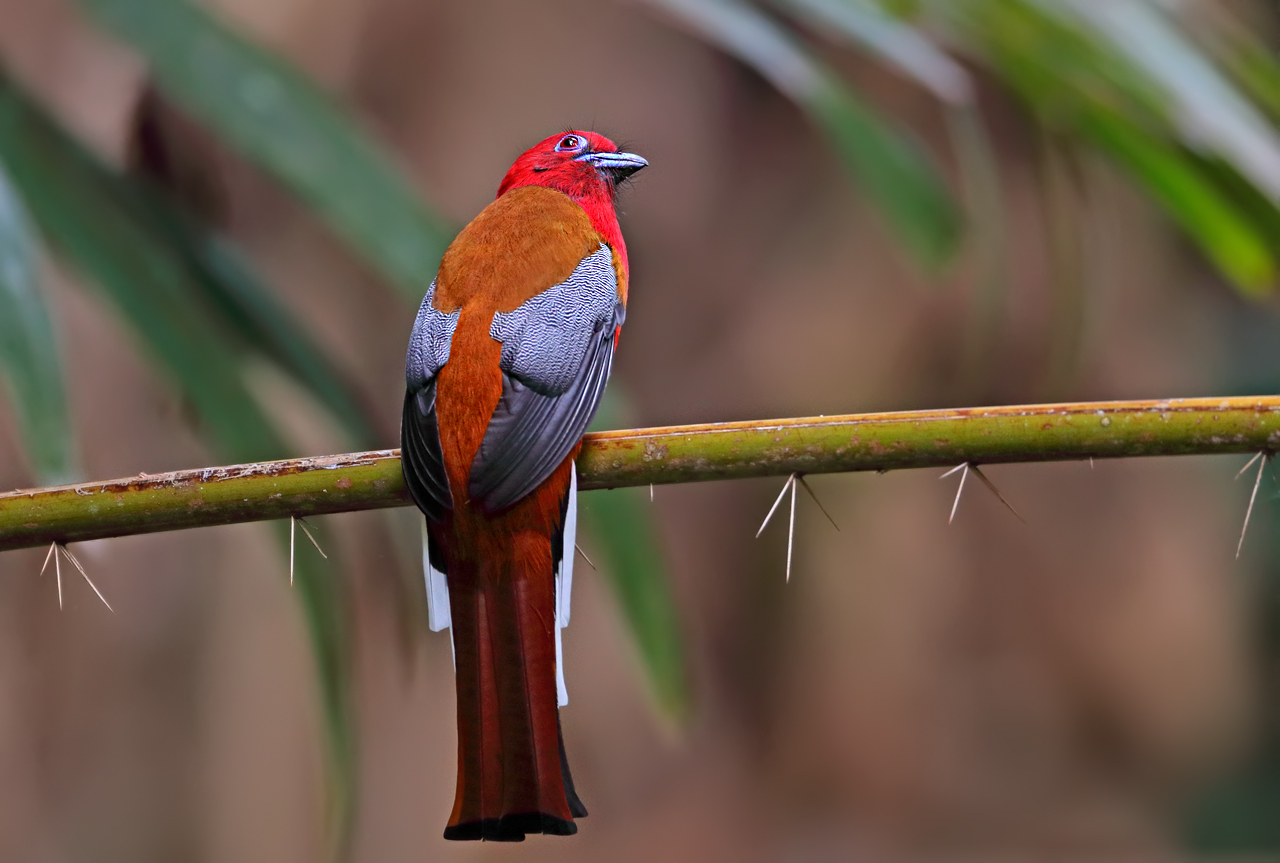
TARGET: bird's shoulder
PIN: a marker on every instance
(526, 241)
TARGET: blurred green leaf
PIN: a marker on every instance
(90, 216)
(1057, 68)
(249, 308)
(1245, 196)
(263, 322)
(172, 183)
(1257, 69)
(29, 361)
(902, 46)
(1224, 232)
(980, 181)
(1083, 90)
(885, 161)
(280, 120)
(892, 170)
(622, 525)
(172, 167)
(316, 580)
(1209, 112)
(80, 207)
(1237, 820)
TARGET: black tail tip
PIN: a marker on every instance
(576, 809)
(510, 828)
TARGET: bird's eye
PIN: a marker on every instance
(570, 142)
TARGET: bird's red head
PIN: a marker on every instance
(583, 165)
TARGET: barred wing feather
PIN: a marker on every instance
(557, 351)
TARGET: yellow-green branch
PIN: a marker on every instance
(880, 442)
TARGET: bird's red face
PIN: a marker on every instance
(584, 165)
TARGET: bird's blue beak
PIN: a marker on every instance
(619, 166)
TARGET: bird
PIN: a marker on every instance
(507, 361)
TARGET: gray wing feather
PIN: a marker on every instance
(556, 359)
(429, 343)
(421, 456)
(546, 339)
(422, 460)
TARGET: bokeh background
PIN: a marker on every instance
(1090, 213)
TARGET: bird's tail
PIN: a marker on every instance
(513, 777)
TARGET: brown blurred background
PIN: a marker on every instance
(1062, 689)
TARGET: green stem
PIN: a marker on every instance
(880, 442)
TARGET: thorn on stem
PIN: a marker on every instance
(52, 547)
(1248, 464)
(989, 484)
(57, 568)
(584, 557)
(959, 491)
(791, 485)
(809, 489)
(970, 466)
(791, 531)
(71, 557)
(302, 522)
(786, 485)
(1265, 456)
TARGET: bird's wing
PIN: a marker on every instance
(421, 457)
(557, 349)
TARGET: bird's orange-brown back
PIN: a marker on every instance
(523, 243)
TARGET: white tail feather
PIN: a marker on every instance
(437, 589)
(438, 616)
(564, 580)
